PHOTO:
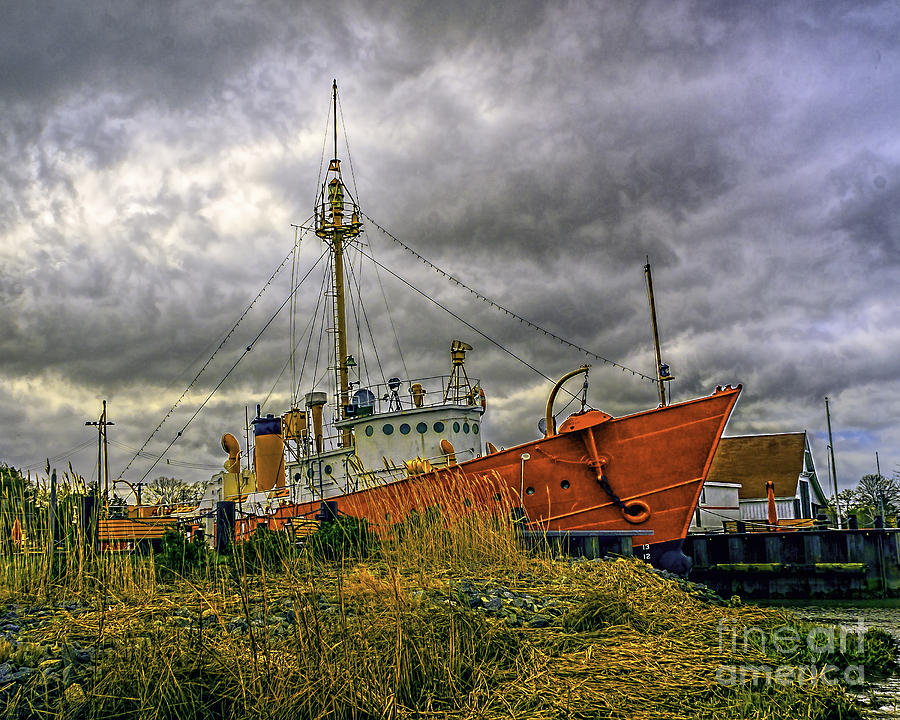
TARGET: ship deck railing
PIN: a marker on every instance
(388, 399)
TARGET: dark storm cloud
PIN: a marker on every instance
(153, 156)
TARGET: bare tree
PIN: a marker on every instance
(174, 491)
(877, 492)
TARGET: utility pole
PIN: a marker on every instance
(880, 487)
(102, 453)
(837, 505)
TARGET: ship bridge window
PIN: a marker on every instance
(439, 427)
(422, 428)
(404, 428)
(387, 429)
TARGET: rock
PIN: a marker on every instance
(49, 665)
(514, 620)
(493, 604)
(539, 621)
(21, 674)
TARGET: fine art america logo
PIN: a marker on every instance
(807, 658)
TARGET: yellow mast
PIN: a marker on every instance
(331, 228)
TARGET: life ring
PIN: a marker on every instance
(483, 399)
(636, 512)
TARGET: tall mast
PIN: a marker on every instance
(662, 371)
(330, 227)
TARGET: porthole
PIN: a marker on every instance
(404, 429)
(422, 428)
(439, 427)
(310, 473)
(564, 484)
(370, 431)
(328, 469)
(456, 427)
(387, 429)
(474, 428)
(529, 491)
(296, 477)
(466, 428)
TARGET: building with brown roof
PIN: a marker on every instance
(743, 464)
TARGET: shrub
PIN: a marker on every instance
(177, 556)
(344, 537)
(266, 549)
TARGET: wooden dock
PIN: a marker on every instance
(799, 564)
(589, 544)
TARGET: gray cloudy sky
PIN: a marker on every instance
(154, 155)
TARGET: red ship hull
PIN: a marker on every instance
(640, 472)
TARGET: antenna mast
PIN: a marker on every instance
(662, 371)
(330, 227)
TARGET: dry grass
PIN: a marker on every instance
(390, 637)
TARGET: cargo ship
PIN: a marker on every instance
(408, 444)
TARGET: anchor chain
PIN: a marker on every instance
(616, 500)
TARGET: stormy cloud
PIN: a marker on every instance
(153, 158)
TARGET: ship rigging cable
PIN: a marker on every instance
(219, 347)
(460, 319)
(500, 307)
(233, 367)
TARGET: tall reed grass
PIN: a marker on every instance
(381, 630)
(40, 564)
